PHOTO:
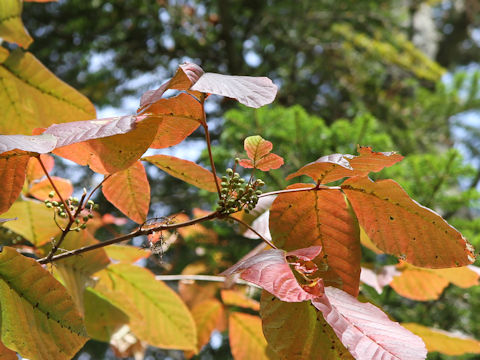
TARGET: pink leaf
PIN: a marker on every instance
(379, 279)
(271, 271)
(366, 331)
(250, 91)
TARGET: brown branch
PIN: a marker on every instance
(210, 156)
(138, 232)
(268, 242)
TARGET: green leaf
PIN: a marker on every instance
(157, 314)
(35, 222)
(39, 319)
(283, 322)
(31, 96)
(11, 25)
(102, 318)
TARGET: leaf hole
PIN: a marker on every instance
(392, 218)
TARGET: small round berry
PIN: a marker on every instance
(51, 194)
(49, 205)
(229, 172)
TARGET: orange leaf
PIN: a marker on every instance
(181, 115)
(114, 153)
(126, 253)
(398, 225)
(6, 353)
(12, 172)
(308, 218)
(41, 189)
(337, 166)
(444, 342)
(207, 315)
(184, 170)
(258, 150)
(129, 191)
(237, 298)
(35, 171)
(246, 337)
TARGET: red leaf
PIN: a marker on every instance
(12, 173)
(35, 171)
(271, 271)
(365, 330)
(258, 150)
(250, 91)
(129, 191)
(187, 74)
(181, 115)
(184, 170)
(400, 226)
(41, 190)
(379, 279)
(307, 218)
(38, 143)
(337, 166)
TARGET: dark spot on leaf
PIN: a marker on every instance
(392, 218)
(414, 238)
(36, 305)
(333, 347)
(433, 222)
(48, 315)
(436, 256)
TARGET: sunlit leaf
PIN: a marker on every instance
(110, 154)
(246, 337)
(308, 218)
(258, 151)
(12, 173)
(41, 189)
(238, 298)
(398, 225)
(184, 170)
(102, 318)
(126, 253)
(41, 100)
(283, 322)
(11, 25)
(35, 222)
(444, 342)
(271, 271)
(39, 319)
(365, 330)
(129, 191)
(35, 171)
(38, 143)
(250, 91)
(207, 315)
(157, 315)
(336, 166)
(181, 115)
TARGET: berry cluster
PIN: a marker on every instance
(237, 194)
(81, 216)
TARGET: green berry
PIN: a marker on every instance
(46, 201)
(219, 208)
(258, 192)
(90, 216)
(90, 202)
(62, 214)
(54, 203)
(237, 160)
(241, 180)
(49, 205)
(83, 226)
(224, 178)
(224, 184)
(51, 194)
(229, 172)
(85, 218)
(77, 221)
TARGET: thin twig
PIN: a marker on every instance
(201, 278)
(313, 188)
(268, 242)
(70, 216)
(135, 233)
(209, 146)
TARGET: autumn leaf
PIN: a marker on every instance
(271, 270)
(398, 225)
(184, 170)
(42, 189)
(337, 166)
(322, 218)
(246, 337)
(444, 342)
(6, 353)
(12, 173)
(157, 314)
(36, 225)
(126, 253)
(238, 298)
(283, 322)
(365, 330)
(39, 101)
(379, 278)
(129, 192)
(39, 318)
(258, 152)
(37, 143)
(11, 25)
(208, 315)
(102, 318)
(34, 169)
